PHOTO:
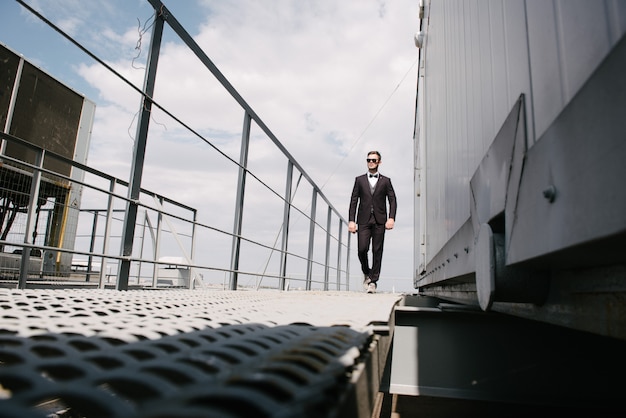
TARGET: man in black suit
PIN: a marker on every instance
(370, 193)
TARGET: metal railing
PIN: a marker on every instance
(126, 226)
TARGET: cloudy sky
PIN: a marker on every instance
(331, 79)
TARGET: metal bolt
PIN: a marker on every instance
(550, 193)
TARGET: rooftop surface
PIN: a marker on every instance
(158, 353)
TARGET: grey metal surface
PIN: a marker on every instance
(581, 157)
(444, 350)
(549, 185)
(477, 58)
(183, 353)
(239, 201)
(139, 151)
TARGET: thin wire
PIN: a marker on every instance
(370, 123)
(132, 121)
(141, 32)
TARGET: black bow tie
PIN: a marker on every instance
(374, 175)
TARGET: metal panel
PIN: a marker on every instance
(84, 133)
(453, 352)
(616, 19)
(582, 157)
(47, 114)
(567, 40)
(466, 67)
(559, 242)
(517, 80)
(476, 60)
(545, 66)
(581, 50)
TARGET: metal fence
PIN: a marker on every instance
(123, 235)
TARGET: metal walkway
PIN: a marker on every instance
(164, 353)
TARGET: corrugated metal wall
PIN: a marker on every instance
(478, 57)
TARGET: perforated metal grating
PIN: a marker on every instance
(102, 353)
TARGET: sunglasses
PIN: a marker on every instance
(372, 160)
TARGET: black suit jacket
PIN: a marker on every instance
(365, 200)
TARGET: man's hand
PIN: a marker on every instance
(390, 223)
(352, 227)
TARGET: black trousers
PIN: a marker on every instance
(373, 233)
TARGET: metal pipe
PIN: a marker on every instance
(107, 234)
(339, 255)
(241, 189)
(286, 214)
(348, 263)
(309, 265)
(92, 244)
(30, 221)
(157, 243)
(193, 249)
(327, 258)
(11, 109)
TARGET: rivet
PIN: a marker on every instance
(550, 193)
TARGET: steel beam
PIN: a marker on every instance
(29, 233)
(139, 150)
(309, 264)
(241, 189)
(327, 258)
(285, 233)
(339, 256)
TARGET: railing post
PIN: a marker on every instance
(139, 150)
(348, 263)
(29, 233)
(157, 244)
(241, 187)
(309, 265)
(146, 220)
(286, 213)
(107, 233)
(193, 248)
(327, 259)
(9, 118)
(339, 255)
(92, 244)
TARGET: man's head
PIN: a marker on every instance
(373, 160)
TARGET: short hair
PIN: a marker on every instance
(374, 152)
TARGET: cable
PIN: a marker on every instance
(142, 31)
